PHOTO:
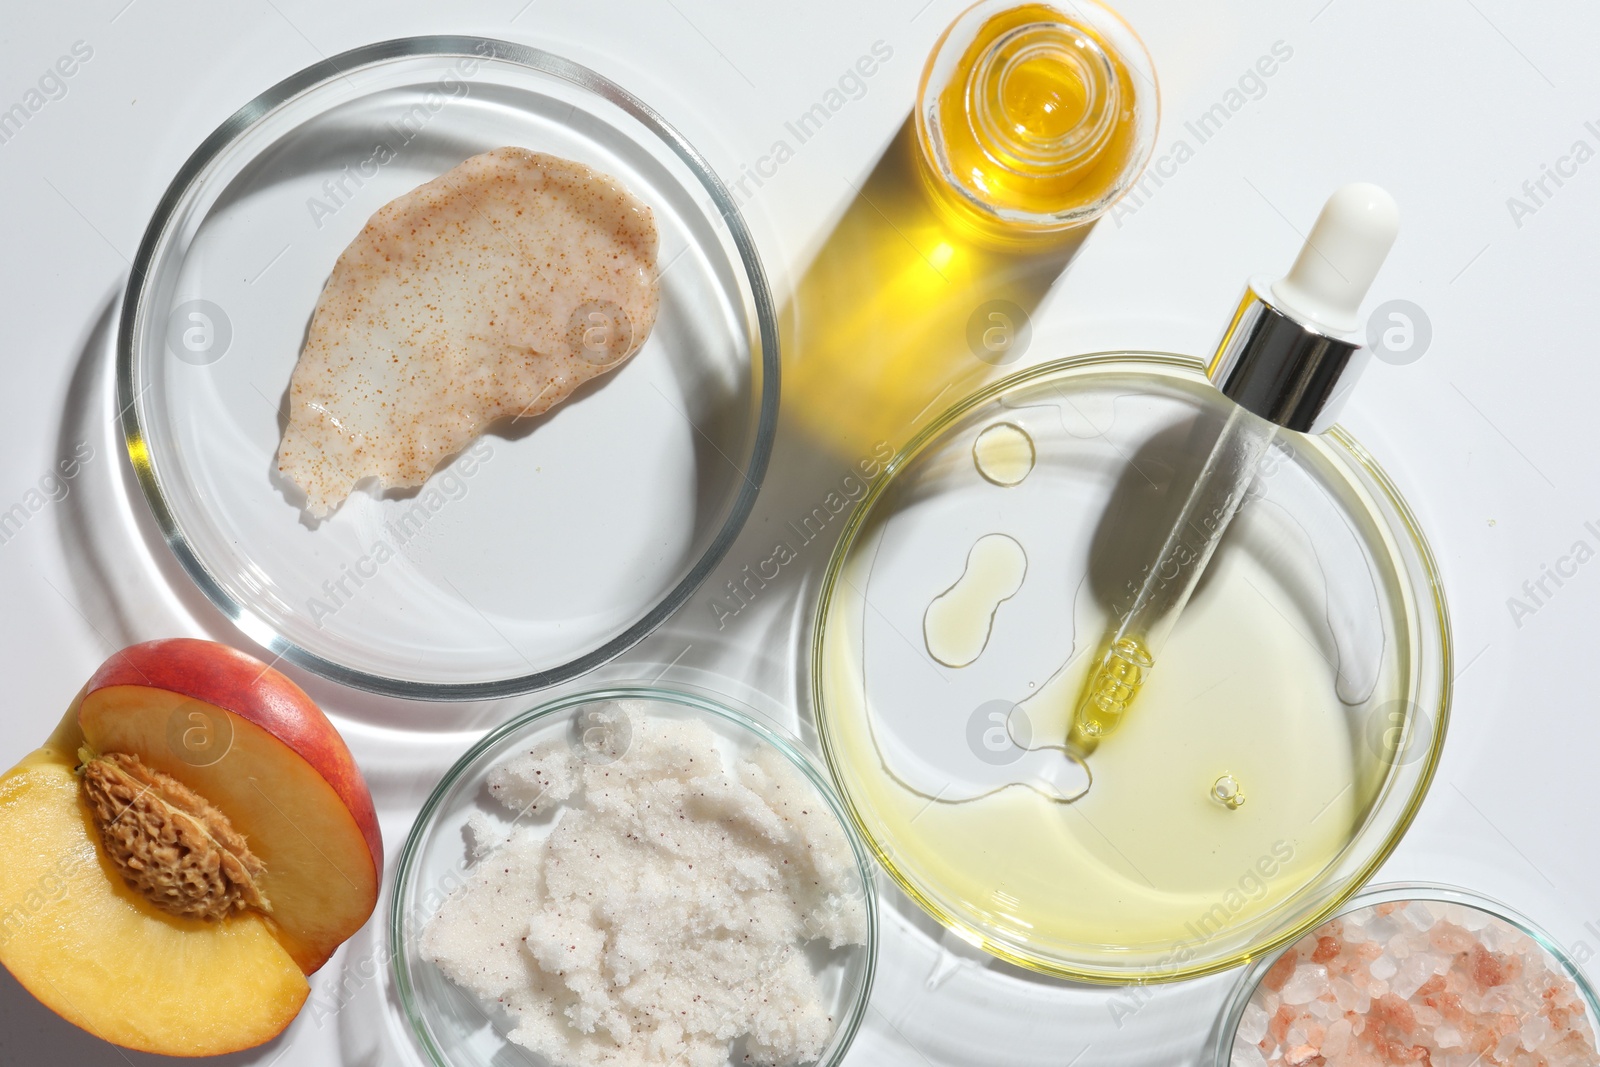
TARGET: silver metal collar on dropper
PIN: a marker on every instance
(1291, 354)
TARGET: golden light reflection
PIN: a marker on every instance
(883, 329)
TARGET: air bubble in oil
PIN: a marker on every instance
(1227, 792)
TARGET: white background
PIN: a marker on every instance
(1452, 104)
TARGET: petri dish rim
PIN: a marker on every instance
(135, 310)
(1333, 898)
(1390, 892)
(687, 697)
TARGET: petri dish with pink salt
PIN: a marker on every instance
(1414, 974)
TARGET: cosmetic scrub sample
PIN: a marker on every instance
(667, 912)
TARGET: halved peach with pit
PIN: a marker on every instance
(191, 842)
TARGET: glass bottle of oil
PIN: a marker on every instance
(1029, 123)
(1033, 120)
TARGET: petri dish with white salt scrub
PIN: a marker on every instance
(1414, 973)
(631, 877)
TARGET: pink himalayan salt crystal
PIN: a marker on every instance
(1416, 983)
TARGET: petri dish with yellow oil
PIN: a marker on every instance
(1270, 766)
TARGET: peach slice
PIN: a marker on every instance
(103, 958)
(191, 842)
(250, 741)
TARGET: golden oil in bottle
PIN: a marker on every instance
(925, 284)
(1031, 120)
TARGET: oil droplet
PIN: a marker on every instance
(1004, 454)
(1226, 789)
(958, 622)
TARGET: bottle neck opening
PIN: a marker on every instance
(1042, 98)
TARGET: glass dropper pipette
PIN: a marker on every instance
(1287, 361)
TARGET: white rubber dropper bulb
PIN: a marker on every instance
(1340, 258)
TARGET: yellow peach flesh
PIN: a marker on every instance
(103, 958)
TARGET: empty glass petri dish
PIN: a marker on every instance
(451, 1028)
(551, 544)
(1274, 758)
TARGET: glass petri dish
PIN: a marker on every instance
(968, 598)
(449, 1025)
(1466, 901)
(555, 542)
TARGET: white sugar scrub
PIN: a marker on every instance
(1416, 982)
(653, 900)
